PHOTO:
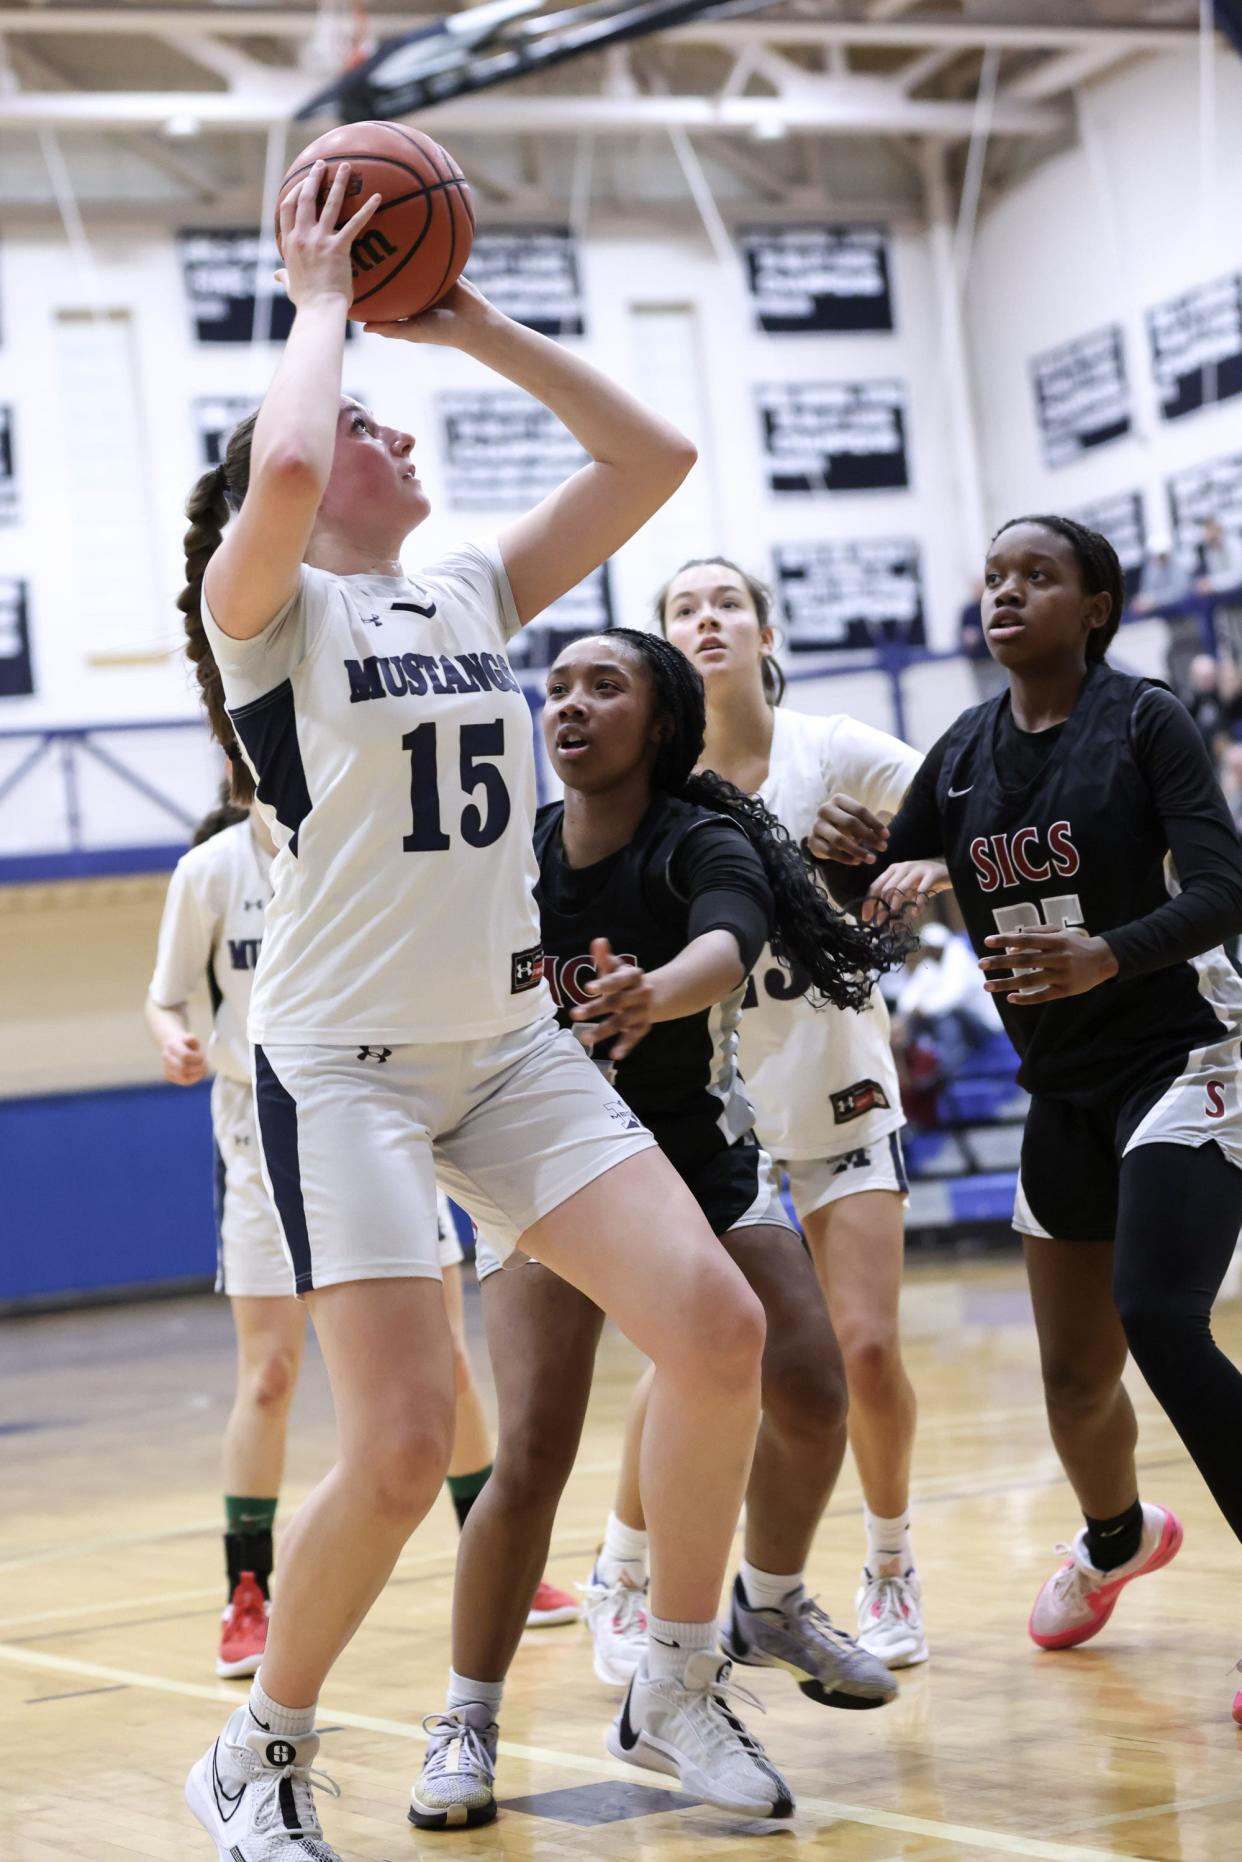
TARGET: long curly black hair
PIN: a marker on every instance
(833, 958)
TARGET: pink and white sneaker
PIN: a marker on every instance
(1078, 1600)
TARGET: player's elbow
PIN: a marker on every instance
(679, 456)
(293, 473)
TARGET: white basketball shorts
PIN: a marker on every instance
(354, 1139)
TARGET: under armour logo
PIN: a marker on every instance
(375, 1053)
(252, 905)
(371, 620)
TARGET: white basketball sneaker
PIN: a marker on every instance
(617, 1618)
(689, 1729)
(890, 1618)
(454, 1788)
(253, 1798)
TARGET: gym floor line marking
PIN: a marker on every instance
(1171, 1809)
(994, 1842)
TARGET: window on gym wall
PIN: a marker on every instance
(108, 502)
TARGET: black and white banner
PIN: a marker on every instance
(221, 269)
(586, 609)
(532, 274)
(1203, 492)
(16, 671)
(215, 416)
(818, 278)
(502, 450)
(850, 594)
(1196, 346)
(1082, 397)
(834, 435)
(1121, 519)
(9, 508)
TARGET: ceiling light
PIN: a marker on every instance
(182, 125)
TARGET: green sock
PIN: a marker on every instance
(244, 1514)
(465, 1489)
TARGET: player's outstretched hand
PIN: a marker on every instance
(846, 831)
(903, 890)
(185, 1064)
(1046, 964)
(316, 250)
(452, 323)
(623, 998)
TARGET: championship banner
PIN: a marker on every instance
(220, 267)
(834, 435)
(586, 609)
(9, 511)
(532, 274)
(503, 451)
(1196, 346)
(215, 416)
(1202, 492)
(16, 670)
(818, 278)
(1082, 397)
(1122, 520)
(858, 593)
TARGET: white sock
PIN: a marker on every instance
(766, 1592)
(670, 1646)
(292, 1722)
(462, 1690)
(623, 1553)
(890, 1550)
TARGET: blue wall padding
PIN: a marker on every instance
(105, 1189)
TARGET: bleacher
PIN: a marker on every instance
(963, 1159)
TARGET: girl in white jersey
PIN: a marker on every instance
(824, 1084)
(212, 928)
(400, 1024)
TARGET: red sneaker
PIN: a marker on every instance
(549, 1606)
(243, 1630)
(1078, 1600)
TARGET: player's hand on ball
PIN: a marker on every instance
(846, 831)
(185, 1064)
(315, 250)
(1045, 964)
(623, 1003)
(450, 323)
(903, 890)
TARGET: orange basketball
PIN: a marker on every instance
(415, 246)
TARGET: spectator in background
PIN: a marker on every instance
(944, 1005)
(1220, 553)
(1231, 780)
(1166, 575)
(1213, 700)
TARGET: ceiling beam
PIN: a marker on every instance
(294, 22)
(857, 107)
(1064, 72)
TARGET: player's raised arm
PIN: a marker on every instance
(638, 459)
(255, 570)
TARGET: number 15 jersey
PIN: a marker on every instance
(392, 748)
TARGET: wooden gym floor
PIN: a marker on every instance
(109, 1553)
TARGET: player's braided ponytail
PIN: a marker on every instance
(214, 497)
(760, 594)
(1099, 569)
(841, 957)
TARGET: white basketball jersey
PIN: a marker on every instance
(393, 751)
(823, 1080)
(213, 925)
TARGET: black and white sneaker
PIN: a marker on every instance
(253, 1798)
(829, 1666)
(689, 1729)
(454, 1788)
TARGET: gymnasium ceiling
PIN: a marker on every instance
(802, 106)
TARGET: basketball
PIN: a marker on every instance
(416, 245)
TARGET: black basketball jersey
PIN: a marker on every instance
(1078, 844)
(682, 1077)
